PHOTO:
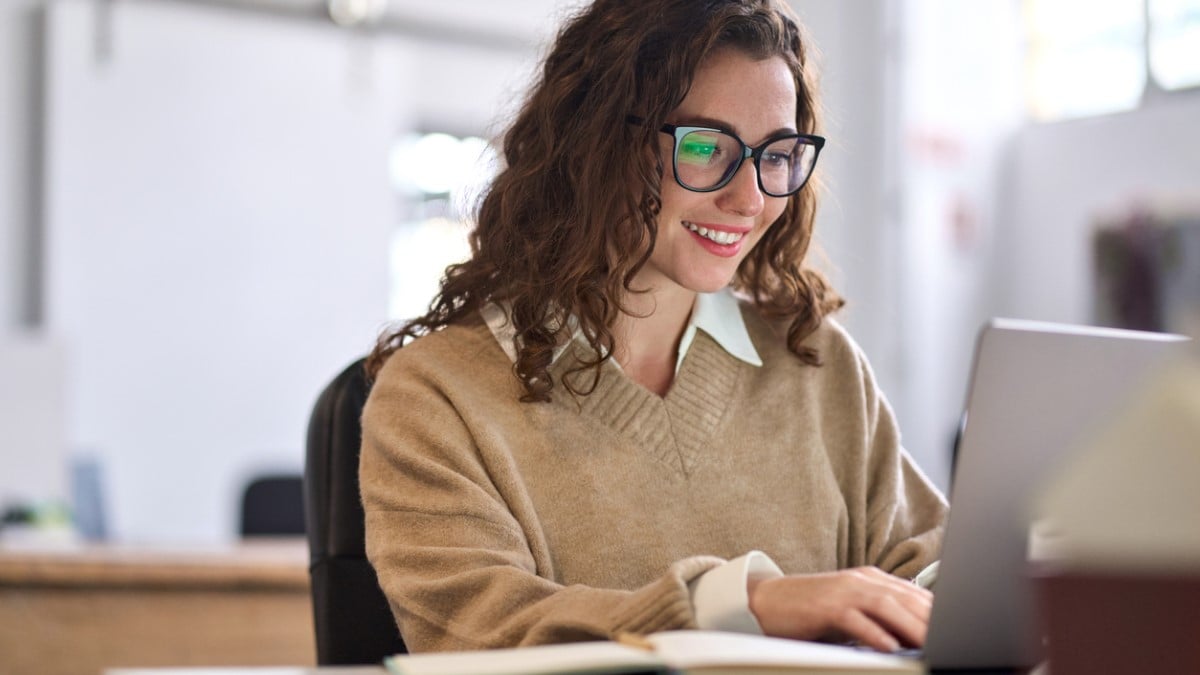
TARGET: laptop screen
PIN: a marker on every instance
(1036, 389)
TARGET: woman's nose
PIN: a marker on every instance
(742, 196)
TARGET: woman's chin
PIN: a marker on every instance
(709, 284)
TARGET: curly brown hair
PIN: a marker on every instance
(572, 218)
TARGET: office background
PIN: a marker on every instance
(208, 207)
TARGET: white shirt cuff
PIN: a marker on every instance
(928, 576)
(720, 598)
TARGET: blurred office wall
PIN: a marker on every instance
(214, 202)
(217, 213)
(32, 433)
(1070, 178)
(960, 103)
(998, 212)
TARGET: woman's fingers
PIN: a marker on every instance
(898, 620)
(863, 604)
(861, 628)
(901, 607)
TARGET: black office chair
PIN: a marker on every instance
(273, 506)
(353, 622)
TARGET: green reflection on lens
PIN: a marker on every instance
(696, 149)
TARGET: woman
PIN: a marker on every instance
(588, 433)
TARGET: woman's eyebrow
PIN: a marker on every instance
(713, 122)
(726, 126)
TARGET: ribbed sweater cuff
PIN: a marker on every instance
(667, 603)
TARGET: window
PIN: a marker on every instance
(419, 254)
(1088, 58)
(438, 177)
(1084, 57)
(1175, 43)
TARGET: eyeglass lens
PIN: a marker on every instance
(707, 158)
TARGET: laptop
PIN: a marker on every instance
(1036, 390)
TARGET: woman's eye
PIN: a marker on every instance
(776, 159)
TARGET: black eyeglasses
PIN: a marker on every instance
(706, 159)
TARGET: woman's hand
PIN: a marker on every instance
(864, 604)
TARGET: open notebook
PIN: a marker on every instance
(685, 651)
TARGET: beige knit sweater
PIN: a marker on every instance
(495, 523)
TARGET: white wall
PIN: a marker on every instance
(998, 212)
(32, 452)
(901, 78)
(216, 228)
(960, 104)
(850, 44)
(217, 222)
(1064, 176)
(32, 460)
(856, 233)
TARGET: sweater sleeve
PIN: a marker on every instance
(905, 513)
(452, 558)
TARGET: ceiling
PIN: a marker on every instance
(499, 24)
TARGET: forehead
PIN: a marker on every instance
(754, 97)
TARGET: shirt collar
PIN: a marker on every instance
(717, 314)
(497, 316)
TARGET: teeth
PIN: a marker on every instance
(718, 236)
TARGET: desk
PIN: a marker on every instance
(360, 670)
(77, 610)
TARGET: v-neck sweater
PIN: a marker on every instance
(491, 522)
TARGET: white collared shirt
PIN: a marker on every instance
(719, 596)
(717, 314)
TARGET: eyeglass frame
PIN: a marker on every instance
(678, 131)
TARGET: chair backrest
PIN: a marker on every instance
(273, 505)
(353, 622)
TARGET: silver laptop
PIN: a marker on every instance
(1035, 389)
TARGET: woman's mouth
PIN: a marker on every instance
(718, 236)
(721, 243)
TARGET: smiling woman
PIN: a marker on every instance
(716, 210)
(629, 410)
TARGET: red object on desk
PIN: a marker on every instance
(1120, 622)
